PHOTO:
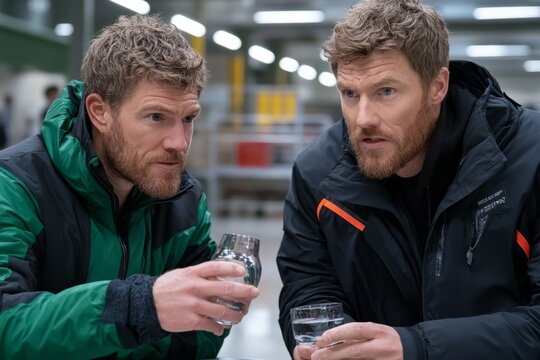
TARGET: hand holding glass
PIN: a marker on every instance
(309, 322)
(244, 250)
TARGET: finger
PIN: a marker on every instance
(219, 268)
(351, 331)
(352, 350)
(228, 290)
(221, 311)
(303, 352)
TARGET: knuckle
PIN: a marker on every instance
(228, 288)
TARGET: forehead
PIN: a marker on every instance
(388, 65)
(154, 88)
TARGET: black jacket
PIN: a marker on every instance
(472, 289)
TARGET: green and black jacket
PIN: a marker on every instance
(76, 272)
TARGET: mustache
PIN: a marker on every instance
(359, 133)
(171, 157)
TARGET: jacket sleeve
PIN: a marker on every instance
(304, 264)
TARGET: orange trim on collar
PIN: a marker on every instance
(523, 244)
(342, 213)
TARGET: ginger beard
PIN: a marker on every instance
(122, 158)
(383, 163)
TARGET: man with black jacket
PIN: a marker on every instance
(420, 210)
(104, 238)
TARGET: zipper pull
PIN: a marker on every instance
(469, 256)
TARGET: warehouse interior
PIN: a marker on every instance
(269, 94)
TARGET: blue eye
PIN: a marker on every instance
(348, 93)
(388, 91)
(189, 119)
(156, 117)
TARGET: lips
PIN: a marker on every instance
(372, 139)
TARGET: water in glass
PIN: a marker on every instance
(244, 250)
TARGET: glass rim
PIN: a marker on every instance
(239, 234)
(316, 306)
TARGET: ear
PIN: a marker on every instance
(439, 86)
(99, 112)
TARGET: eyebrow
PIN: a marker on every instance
(379, 83)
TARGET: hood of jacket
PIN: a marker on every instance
(475, 115)
(67, 137)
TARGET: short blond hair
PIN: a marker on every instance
(138, 48)
(416, 31)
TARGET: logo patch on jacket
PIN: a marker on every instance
(481, 214)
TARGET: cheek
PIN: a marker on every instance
(349, 114)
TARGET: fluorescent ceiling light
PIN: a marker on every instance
(288, 64)
(226, 39)
(506, 12)
(139, 6)
(63, 29)
(261, 54)
(532, 65)
(327, 79)
(498, 50)
(288, 17)
(307, 72)
(187, 25)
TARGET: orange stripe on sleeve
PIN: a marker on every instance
(523, 244)
(336, 209)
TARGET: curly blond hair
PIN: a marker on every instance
(417, 31)
(138, 48)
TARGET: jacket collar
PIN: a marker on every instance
(479, 152)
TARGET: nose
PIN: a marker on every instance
(366, 116)
(177, 138)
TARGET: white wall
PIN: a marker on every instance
(27, 90)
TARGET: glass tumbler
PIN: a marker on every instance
(309, 322)
(244, 250)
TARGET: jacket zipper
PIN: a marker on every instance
(121, 237)
(124, 260)
(439, 255)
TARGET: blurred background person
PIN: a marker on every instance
(51, 92)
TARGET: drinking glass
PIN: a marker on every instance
(309, 322)
(244, 250)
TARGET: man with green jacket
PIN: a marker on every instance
(104, 238)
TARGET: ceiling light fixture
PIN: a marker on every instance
(139, 6)
(498, 50)
(63, 29)
(307, 72)
(227, 40)
(506, 12)
(188, 25)
(288, 17)
(261, 54)
(532, 65)
(327, 79)
(288, 64)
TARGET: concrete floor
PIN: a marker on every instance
(258, 335)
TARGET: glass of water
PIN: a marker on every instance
(309, 322)
(244, 250)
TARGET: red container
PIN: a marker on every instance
(253, 154)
